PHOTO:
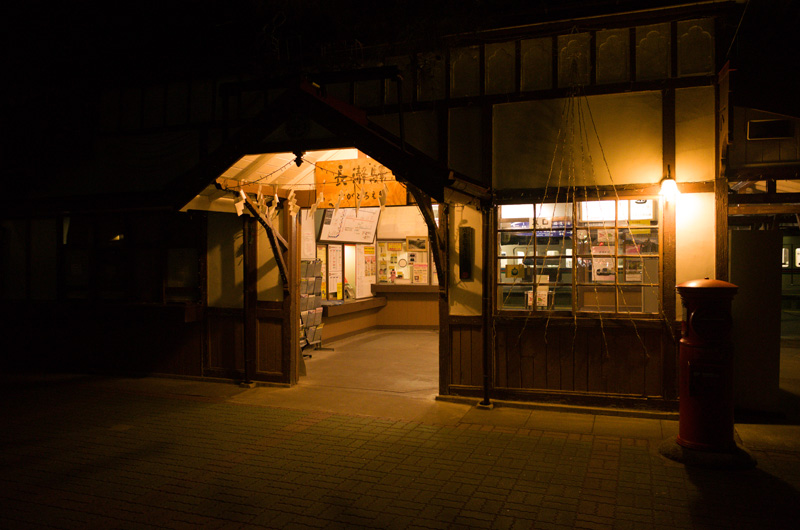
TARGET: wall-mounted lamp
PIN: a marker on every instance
(669, 188)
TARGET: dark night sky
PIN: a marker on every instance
(55, 53)
(87, 37)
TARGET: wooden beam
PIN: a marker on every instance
(763, 198)
(602, 192)
(785, 171)
(249, 283)
(764, 209)
(263, 219)
(273, 236)
(434, 232)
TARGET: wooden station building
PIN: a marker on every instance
(516, 176)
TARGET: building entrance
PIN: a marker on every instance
(403, 362)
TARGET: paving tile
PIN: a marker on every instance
(560, 422)
(497, 416)
(627, 427)
(168, 459)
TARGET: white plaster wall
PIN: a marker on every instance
(695, 135)
(268, 284)
(224, 260)
(465, 296)
(550, 142)
(695, 240)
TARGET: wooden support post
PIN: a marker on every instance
(273, 236)
(668, 266)
(293, 365)
(434, 232)
(250, 266)
(445, 353)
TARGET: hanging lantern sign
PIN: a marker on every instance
(361, 180)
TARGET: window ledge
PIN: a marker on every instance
(353, 306)
(403, 288)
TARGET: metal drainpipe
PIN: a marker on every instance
(487, 309)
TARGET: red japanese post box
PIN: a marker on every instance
(706, 366)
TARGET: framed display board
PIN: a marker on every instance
(344, 226)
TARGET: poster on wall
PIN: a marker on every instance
(420, 273)
(365, 270)
(345, 226)
(308, 241)
(335, 272)
(603, 269)
(322, 256)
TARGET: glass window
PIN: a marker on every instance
(574, 64)
(653, 52)
(607, 260)
(696, 47)
(613, 56)
(500, 68)
(537, 64)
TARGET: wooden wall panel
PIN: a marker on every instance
(501, 367)
(553, 356)
(409, 309)
(527, 364)
(615, 359)
(455, 356)
(466, 353)
(270, 351)
(580, 347)
(340, 326)
(513, 346)
(532, 338)
(225, 341)
(464, 377)
(476, 356)
(595, 354)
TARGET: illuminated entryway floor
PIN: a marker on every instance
(394, 361)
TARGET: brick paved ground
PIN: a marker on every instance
(76, 455)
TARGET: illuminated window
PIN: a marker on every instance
(588, 256)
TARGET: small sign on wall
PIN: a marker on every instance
(361, 179)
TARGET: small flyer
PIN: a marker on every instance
(603, 269)
(420, 273)
(633, 271)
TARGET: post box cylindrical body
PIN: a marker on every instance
(706, 366)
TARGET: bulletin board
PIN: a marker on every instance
(345, 226)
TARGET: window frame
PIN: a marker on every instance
(620, 256)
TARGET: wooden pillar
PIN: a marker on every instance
(723, 115)
(668, 251)
(670, 334)
(250, 279)
(291, 295)
(486, 306)
(445, 354)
